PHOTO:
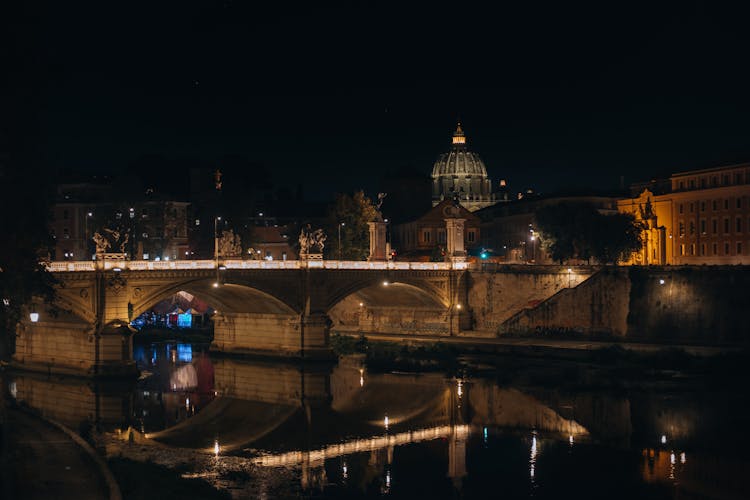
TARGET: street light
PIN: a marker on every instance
(216, 248)
(341, 224)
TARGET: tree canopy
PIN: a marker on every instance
(350, 214)
(579, 231)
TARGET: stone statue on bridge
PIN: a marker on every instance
(230, 244)
(311, 243)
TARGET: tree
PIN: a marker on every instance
(350, 214)
(578, 230)
(24, 249)
(566, 230)
(616, 237)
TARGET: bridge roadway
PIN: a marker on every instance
(278, 308)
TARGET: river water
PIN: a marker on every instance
(538, 429)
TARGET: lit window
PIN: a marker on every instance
(682, 249)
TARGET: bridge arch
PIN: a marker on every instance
(228, 297)
(380, 305)
(385, 291)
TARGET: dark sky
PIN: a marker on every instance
(331, 95)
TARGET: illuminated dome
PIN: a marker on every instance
(462, 172)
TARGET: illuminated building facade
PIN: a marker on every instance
(420, 238)
(462, 173)
(157, 227)
(702, 218)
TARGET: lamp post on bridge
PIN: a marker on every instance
(340, 225)
(216, 248)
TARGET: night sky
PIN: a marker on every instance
(552, 96)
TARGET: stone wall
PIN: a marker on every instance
(494, 297)
(689, 304)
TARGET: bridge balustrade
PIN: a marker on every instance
(149, 265)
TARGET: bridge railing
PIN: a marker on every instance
(150, 265)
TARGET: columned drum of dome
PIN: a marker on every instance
(462, 172)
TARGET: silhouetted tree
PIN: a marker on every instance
(354, 212)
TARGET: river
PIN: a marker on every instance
(540, 429)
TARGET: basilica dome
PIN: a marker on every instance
(461, 173)
(459, 160)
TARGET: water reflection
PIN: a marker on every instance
(283, 429)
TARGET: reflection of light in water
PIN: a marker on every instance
(532, 459)
(187, 403)
(388, 479)
(672, 461)
(484, 432)
(683, 459)
(216, 448)
(460, 389)
(184, 377)
(361, 377)
(570, 439)
(13, 388)
(345, 469)
(672, 458)
(385, 421)
(299, 457)
(663, 439)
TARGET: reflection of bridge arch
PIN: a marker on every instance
(227, 297)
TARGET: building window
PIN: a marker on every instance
(738, 225)
(703, 226)
(726, 248)
(471, 236)
(703, 206)
(726, 225)
(426, 236)
(703, 249)
(682, 249)
(739, 202)
(692, 227)
(682, 208)
(66, 233)
(739, 248)
(715, 226)
(703, 182)
(714, 205)
(692, 249)
(682, 229)
(726, 204)
(691, 208)
(714, 181)
(738, 178)
(716, 248)
(725, 179)
(682, 185)
(692, 183)
(65, 215)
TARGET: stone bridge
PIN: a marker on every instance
(284, 308)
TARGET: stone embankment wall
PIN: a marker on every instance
(705, 304)
(496, 296)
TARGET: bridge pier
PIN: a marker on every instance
(282, 335)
